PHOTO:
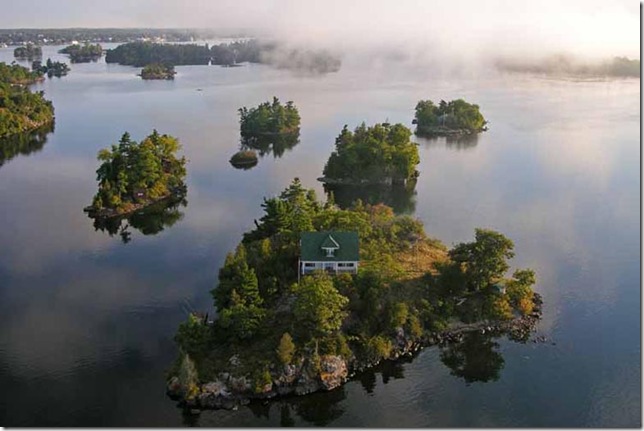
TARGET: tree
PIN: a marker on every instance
(519, 290)
(192, 336)
(286, 349)
(319, 307)
(484, 260)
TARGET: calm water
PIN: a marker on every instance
(88, 321)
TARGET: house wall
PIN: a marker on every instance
(307, 267)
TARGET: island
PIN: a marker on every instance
(27, 52)
(20, 109)
(50, 68)
(244, 159)
(158, 71)
(453, 118)
(271, 127)
(314, 294)
(135, 175)
(83, 53)
(378, 154)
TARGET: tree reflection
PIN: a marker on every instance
(24, 143)
(320, 408)
(149, 221)
(265, 145)
(401, 197)
(460, 142)
(474, 359)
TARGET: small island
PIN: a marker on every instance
(83, 53)
(134, 175)
(453, 118)
(316, 293)
(20, 109)
(158, 71)
(51, 68)
(379, 154)
(27, 52)
(244, 159)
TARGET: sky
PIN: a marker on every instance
(588, 27)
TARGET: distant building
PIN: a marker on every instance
(333, 252)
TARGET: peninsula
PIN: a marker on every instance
(134, 175)
(20, 109)
(315, 293)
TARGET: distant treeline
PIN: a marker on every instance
(65, 36)
(566, 65)
(226, 54)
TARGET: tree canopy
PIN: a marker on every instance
(83, 53)
(269, 118)
(374, 154)
(158, 71)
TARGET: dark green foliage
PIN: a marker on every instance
(483, 261)
(455, 115)
(193, 336)
(51, 68)
(143, 53)
(269, 119)
(83, 53)
(138, 173)
(20, 109)
(378, 154)
(28, 52)
(475, 359)
(158, 71)
(318, 308)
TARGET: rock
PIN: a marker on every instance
(333, 372)
(234, 360)
(239, 384)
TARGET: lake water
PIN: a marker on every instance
(88, 320)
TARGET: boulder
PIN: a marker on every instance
(334, 372)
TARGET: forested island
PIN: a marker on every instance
(27, 52)
(567, 65)
(271, 127)
(134, 175)
(50, 68)
(378, 154)
(278, 333)
(20, 109)
(158, 71)
(83, 53)
(453, 118)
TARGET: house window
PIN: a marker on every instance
(309, 265)
(350, 264)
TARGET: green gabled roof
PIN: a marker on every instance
(311, 244)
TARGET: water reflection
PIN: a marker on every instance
(265, 145)
(149, 221)
(401, 197)
(474, 359)
(24, 143)
(459, 143)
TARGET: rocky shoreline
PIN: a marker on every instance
(431, 132)
(108, 213)
(229, 392)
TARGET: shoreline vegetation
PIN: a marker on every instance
(50, 68)
(453, 118)
(277, 333)
(158, 71)
(135, 175)
(20, 109)
(28, 52)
